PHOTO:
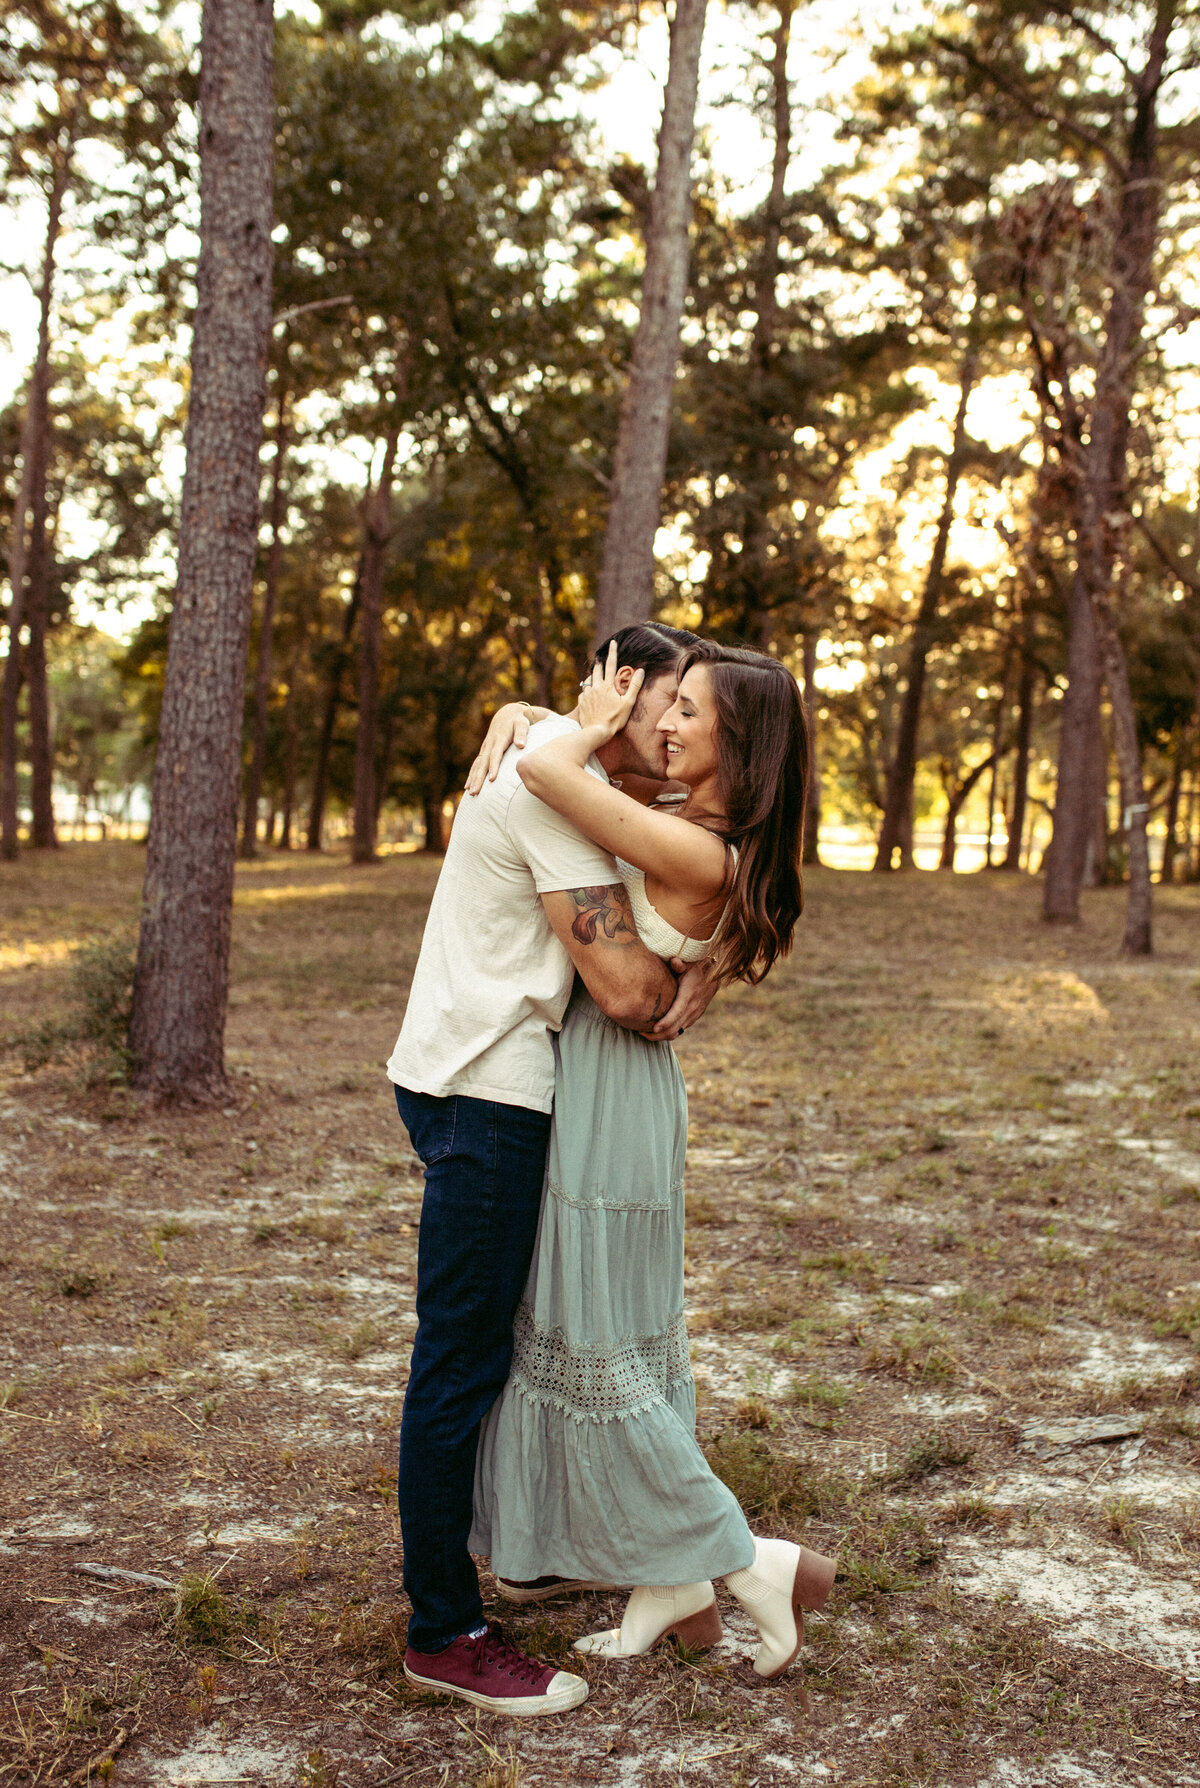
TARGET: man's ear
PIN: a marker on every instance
(624, 679)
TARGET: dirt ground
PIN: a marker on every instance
(943, 1183)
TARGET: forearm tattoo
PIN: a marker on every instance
(601, 911)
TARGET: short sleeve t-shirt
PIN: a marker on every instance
(492, 981)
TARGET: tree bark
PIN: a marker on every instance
(753, 561)
(1138, 940)
(1020, 792)
(1095, 858)
(34, 448)
(42, 834)
(626, 586)
(1166, 871)
(997, 751)
(182, 975)
(377, 528)
(291, 733)
(1098, 476)
(262, 691)
(435, 832)
(812, 794)
(955, 798)
(1074, 792)
(333, 701)
(903, 769)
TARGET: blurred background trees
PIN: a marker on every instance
(932, 441)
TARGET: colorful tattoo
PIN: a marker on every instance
(604, 910)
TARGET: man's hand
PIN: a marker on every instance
(692, 1000)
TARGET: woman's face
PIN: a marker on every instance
(690, 728)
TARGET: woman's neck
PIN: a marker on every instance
(704, 806)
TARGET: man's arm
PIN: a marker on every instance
(595, 926)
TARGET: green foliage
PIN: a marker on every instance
(769, 1484)
(198, 1612)
(102, 999)
(930, 1453)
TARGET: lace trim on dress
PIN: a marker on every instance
(594, 1384)
(610, 1201)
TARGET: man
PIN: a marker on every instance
(524, 901)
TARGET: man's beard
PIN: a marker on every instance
(655, 766)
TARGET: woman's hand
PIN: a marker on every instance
(510, 726)
(601, 703)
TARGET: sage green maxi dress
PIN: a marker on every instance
(588, 1465)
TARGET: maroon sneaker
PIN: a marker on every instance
(543, 1589)
(490, 1673)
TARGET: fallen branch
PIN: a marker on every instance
(113, 1573)
(83, 1774)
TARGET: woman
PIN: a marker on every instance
(588, 1467)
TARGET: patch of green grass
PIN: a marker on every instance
(1182, 1318)
(919, 1353)
(80, 1282)
(172, 1227)
(198, 1612)
(854, 1264)
(322, 1226)
(1124, 1523)
(973, 1511)
(364, 1337)
(770, 1484)
(930, 1453)
(818, 1400)
(884, 1552)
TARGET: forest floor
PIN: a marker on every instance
(944, 1185)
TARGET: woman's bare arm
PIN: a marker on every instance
(510, 726)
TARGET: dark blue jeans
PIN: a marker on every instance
(484, 1168)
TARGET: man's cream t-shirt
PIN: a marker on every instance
(492, 980)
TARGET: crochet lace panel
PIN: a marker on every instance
(615, 1201)
(598, 1384)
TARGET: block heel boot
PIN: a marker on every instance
(686, 1612)
(783, 1581)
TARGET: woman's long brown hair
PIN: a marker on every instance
(762, 772)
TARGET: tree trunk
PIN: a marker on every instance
(181, 982)
(377, 528)
(1138, 939)
(1166, 871)
(1020, 793)
(903, 770)
(37, 608)
(955, 798)
(997, 752)
(753, 561)
(1098, 477)
(1074, 793)
(626, 588)
(34, 448)
(262, 692)
(291, 733)
(333, 701)
(812, 794)
(435, 835)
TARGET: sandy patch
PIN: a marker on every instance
(1109, 1600)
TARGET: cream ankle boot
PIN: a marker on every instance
(683, 1611)
(782, 1580)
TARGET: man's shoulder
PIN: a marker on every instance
(507, 780)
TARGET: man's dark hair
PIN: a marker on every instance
(651, 646)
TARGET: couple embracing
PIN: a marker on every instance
(614, 868)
